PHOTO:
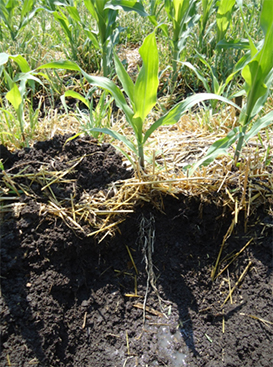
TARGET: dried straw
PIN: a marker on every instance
(169, 150)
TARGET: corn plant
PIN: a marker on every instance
(210, 81)
(258, 76)
(183, 15)
(70, 24)
(142, 96)
(105, 14)
(223, 17)
(207, 9)
(52, 5)
(16, 14)
(67, 16)
(92, 117)
(155, 7)
(17, 94)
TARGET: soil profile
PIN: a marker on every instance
(144, 297)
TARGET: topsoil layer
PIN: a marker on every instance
(67, 300)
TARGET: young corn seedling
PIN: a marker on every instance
(207, 10)
(105, 14)
(223, 17)
(142, 96)
(211, 83)
(70, 24)
(183, 15)
(155, 7)
(17, 94)
(15, 15)
(93, 117)
(258, 76)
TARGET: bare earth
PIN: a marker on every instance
(67, 300)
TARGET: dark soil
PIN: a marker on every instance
(64, 299)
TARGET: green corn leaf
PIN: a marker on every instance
(90, 7)
(253, 49)
(183, 15)
(257, 70)
(153, 20)
(221, 146)
(175, 10)
(74, 14)
(19, 59)
(147, 81)
(238, 67)
(27, 7)
(28, 18)
(207, 8)
(97, 81)
(127, 5)
(180, 7)
(238, 44)
(116, 136)
(64, 23)
(76, 95)
(266, 16)
(27, 76)
(217, 88)
(223, 17)
(21, 62)
(258, 125)
(14, 97)
(174, 115)
(198, 74)
(93, 38)
(65, 64)
(109, 86)
(100, 7)
(4, 58)
(125, 80)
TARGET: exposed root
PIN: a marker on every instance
(146, 241)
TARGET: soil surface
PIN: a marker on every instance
(67, 300)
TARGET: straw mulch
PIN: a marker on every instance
(169, 150)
